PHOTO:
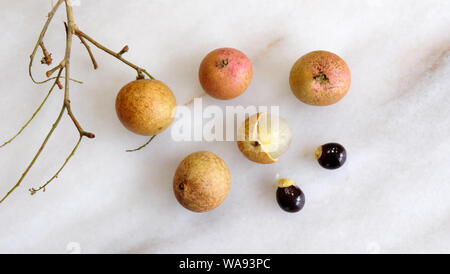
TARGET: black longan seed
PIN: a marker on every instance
(331, 155)
(289, 196)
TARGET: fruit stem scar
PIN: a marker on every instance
(222, 63)
(322, 77)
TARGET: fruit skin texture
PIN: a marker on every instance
(320, 78)
(146, 107)
(225, 73)
(202, 181)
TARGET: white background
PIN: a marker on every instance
(391, 196)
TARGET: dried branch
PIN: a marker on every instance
(41, 37)
(35, 113)
(140, 71)
(64, 65)
(34, 190)
(40, 43)
(76, 123)
(38, 152)
(88, 48)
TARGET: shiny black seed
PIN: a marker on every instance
(291, 198)
(331, 155)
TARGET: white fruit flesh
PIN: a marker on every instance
(271, 132)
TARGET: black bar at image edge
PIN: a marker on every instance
(230, 263)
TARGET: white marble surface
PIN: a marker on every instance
(391, 196)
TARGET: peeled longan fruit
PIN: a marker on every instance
(146, 107)
(320, 78)
(263, 138)
(202, 181)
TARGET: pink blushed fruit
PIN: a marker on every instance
(320, 78)
(225, 73)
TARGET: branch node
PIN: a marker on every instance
(140, 75)
(60, 86)
(60, 66)
(123, 50)
(88, 134)
(47, 59)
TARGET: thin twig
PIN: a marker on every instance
(34, 191)
(37, 154)
(69, 35)
(35, 113)
(76, 123)
(70, 26)
(140, 71)
(88, 48)
(53, 78)
(41, 37)
(141, 147)
(39, 43)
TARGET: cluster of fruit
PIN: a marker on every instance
(202, 180)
